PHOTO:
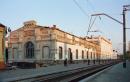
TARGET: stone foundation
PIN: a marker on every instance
(45, 63)
(2, 65)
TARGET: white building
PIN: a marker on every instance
(37, 44)
(115, 55)
(105, 46)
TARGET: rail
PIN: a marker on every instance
(70, 75)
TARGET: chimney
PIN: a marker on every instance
(31, 22)
(54, 26)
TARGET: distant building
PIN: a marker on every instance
(114, 55)
(2, 46)
(105, 46)
(37, 45)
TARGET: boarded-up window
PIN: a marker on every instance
(82, 54)
(76, 53)
(45, 52)
(60, 53)
(87, 54)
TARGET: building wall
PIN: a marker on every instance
(73, 48)
(1, 43)
(46, 41)
(105, 48)
(2, 62)
(115, 54)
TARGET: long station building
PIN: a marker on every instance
(41, 45)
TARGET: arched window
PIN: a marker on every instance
(29, 50)
(76, 53)
(60, 52)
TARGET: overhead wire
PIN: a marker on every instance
(78, 5)
(93, 8)
(91, 23)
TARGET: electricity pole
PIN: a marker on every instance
(125, 8)
(124, 39)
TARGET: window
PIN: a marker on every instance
(91, 55)
(70, 56)
(60, 52)
(29, 50)
(94, 55)
(76, 53)
(87, 54)
(82, 54)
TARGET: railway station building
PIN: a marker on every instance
(37, 45)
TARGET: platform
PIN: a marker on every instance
(9, 75)
(114, 74)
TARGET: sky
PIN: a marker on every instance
(68, 16)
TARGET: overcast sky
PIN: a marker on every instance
(68, 16)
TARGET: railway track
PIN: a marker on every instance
(74, 75)
(68, 76)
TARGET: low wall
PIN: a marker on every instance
(2, 65)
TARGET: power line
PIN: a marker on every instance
(92, 7)
(91, 23)
(83, 11)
